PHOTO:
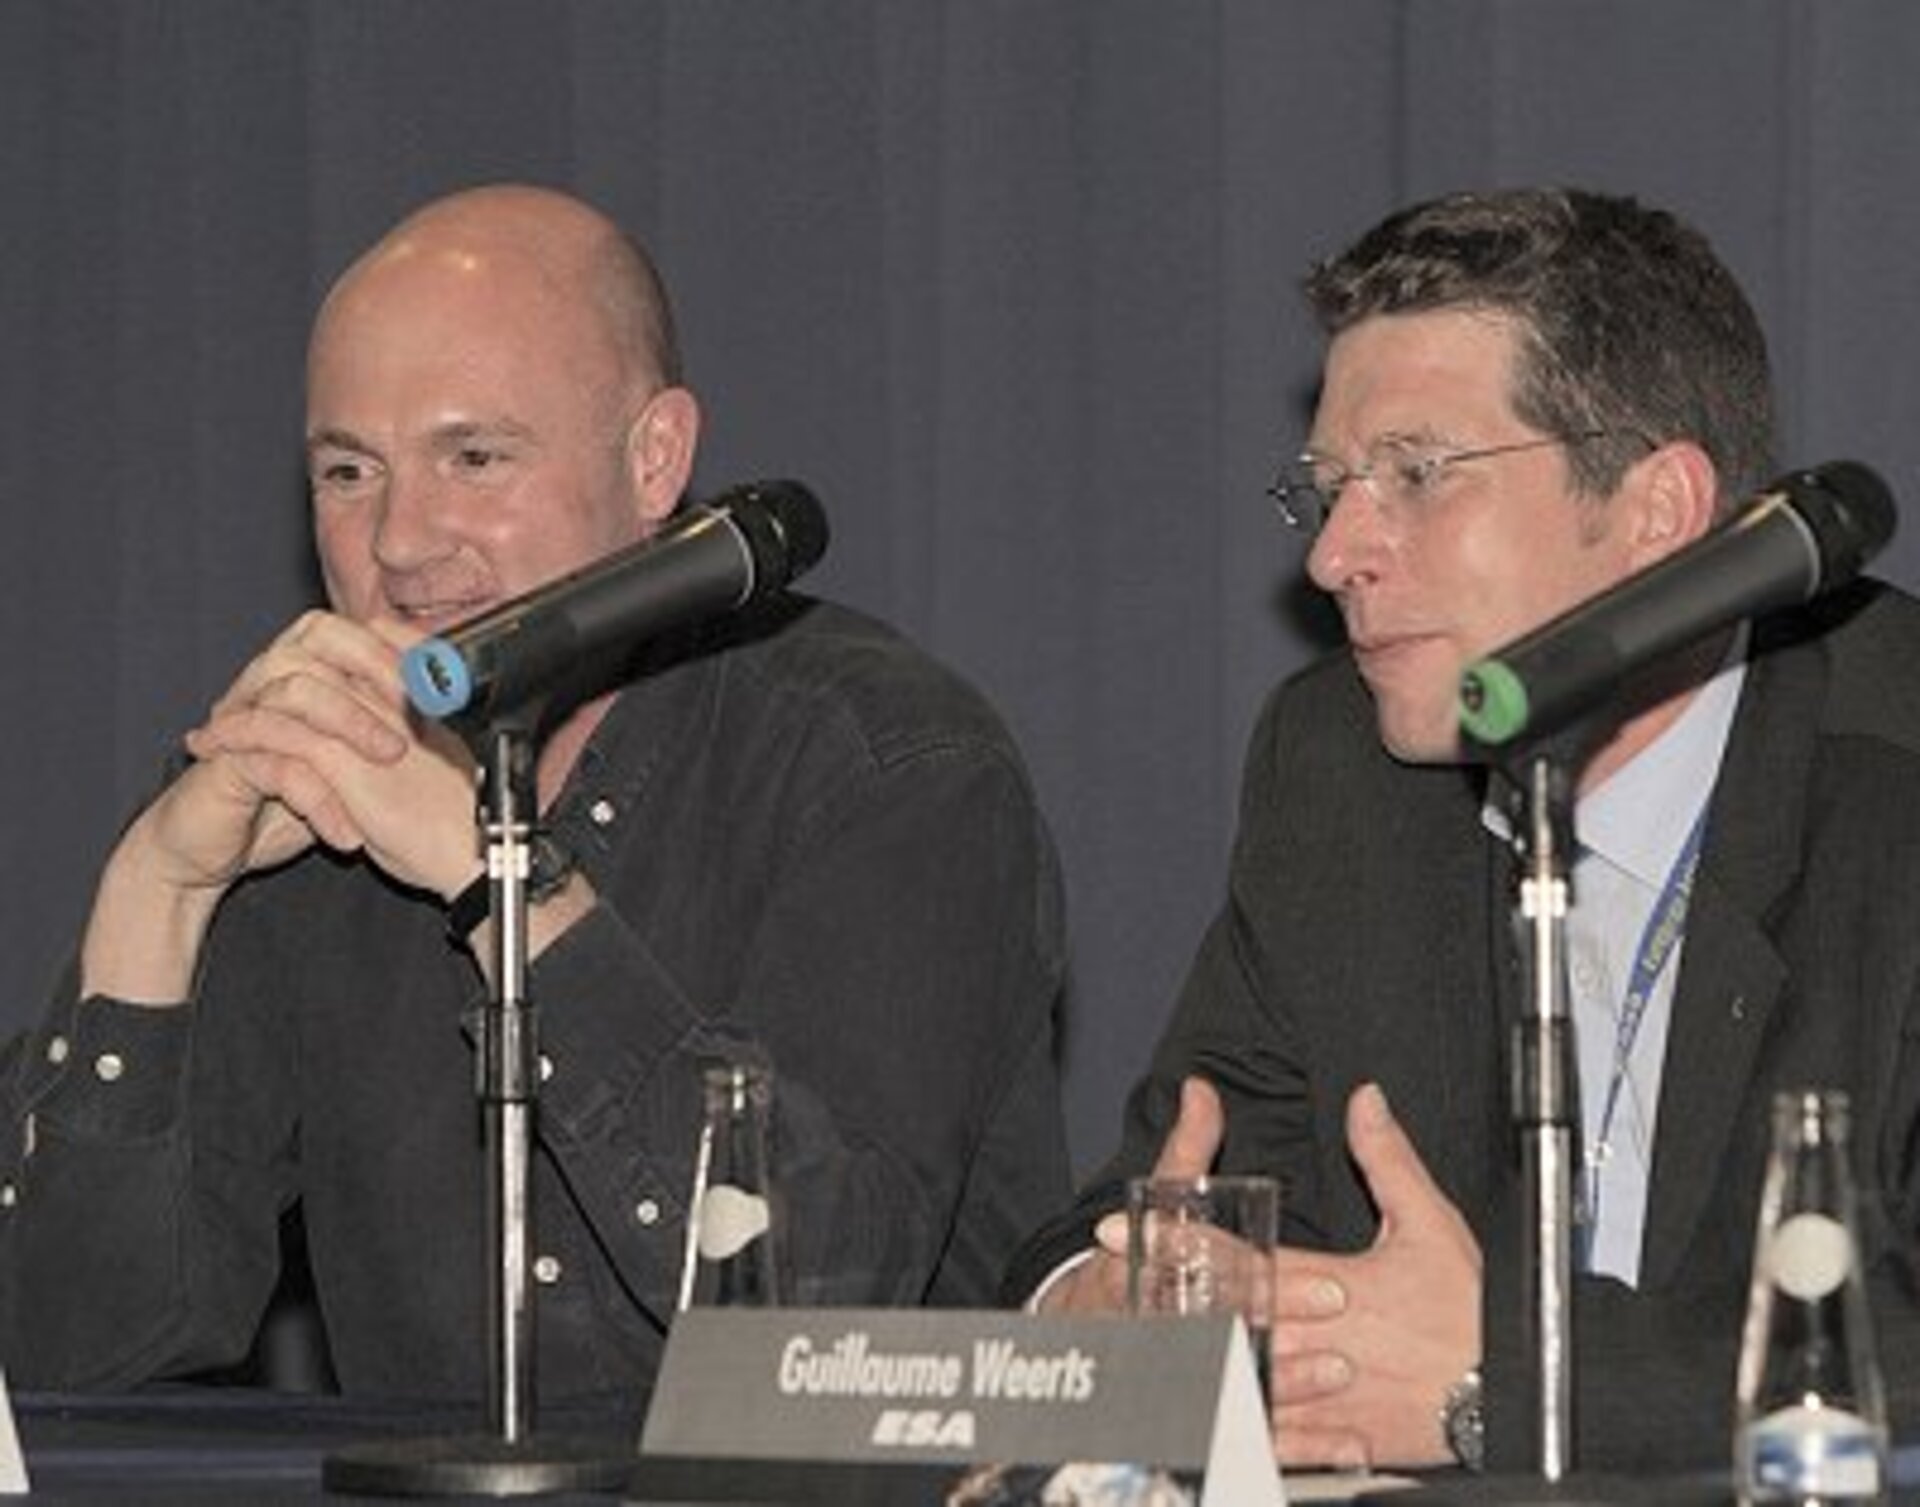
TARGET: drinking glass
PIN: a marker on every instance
(1204, 1245)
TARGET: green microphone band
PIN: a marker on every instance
(1493, 703)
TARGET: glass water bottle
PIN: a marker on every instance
(1812, 1424)
(733, 1219)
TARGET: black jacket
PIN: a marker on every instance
(1367, 935)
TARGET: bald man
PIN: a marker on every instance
(791, 839)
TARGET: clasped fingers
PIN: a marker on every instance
(284, 715)
(332, 649)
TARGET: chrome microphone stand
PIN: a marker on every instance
(1546, 1101)
(1545, 1112)
(511, 1459)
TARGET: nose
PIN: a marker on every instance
(1353, 542)
(410, 531)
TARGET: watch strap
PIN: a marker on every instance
(549, 865)
(468, 909)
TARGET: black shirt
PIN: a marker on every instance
(813, 848)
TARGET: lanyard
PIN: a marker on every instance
(1666, 924)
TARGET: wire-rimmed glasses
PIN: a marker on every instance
(1404, 472)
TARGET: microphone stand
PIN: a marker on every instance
(1545, 1100)
(510, 1459)
(1546, 1119)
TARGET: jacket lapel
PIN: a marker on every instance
(1731, 974)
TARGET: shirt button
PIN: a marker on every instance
(57, 1049)
(601, 812)
(9, 1195)
(546, 1067)
(108, 1066)
(647, 1212)
(546, 1270)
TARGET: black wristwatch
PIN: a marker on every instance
(550, 864)
(1464, 1421)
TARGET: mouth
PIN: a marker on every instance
(1405, 660)
(428, 618)
(1385, 647)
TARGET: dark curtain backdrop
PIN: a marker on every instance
(1010, 283)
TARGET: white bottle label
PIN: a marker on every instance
(731, 1219)
(1802, 1452)
(1809, 1256)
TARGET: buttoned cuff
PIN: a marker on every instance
(115, 1071)
(1036, 1300)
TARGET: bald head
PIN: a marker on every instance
(491, 402)
(564, 248)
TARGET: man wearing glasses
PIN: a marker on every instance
(1529, 396)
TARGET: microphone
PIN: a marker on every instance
(711, 559)
(1809, 532)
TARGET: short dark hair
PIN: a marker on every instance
(1629, 322)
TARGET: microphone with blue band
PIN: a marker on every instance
(1809, 532)
(714, 558)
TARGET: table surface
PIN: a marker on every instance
(180, 1445)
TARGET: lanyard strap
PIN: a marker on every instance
(1666, 924)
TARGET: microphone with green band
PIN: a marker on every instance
(1808, 533)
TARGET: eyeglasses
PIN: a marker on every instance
(1404, 473)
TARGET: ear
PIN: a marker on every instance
(1675, 499)
(660, 446)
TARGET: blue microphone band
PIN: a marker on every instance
(436, 677)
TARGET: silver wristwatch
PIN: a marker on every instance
(1464, 1422)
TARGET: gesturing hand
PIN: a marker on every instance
(1365, 1346)
(1099, 1284)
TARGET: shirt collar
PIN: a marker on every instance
(638, 738)
(1638, 817)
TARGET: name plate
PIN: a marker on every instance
(965, 1387)
(13, 1465)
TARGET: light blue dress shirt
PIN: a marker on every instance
(1629, 832)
